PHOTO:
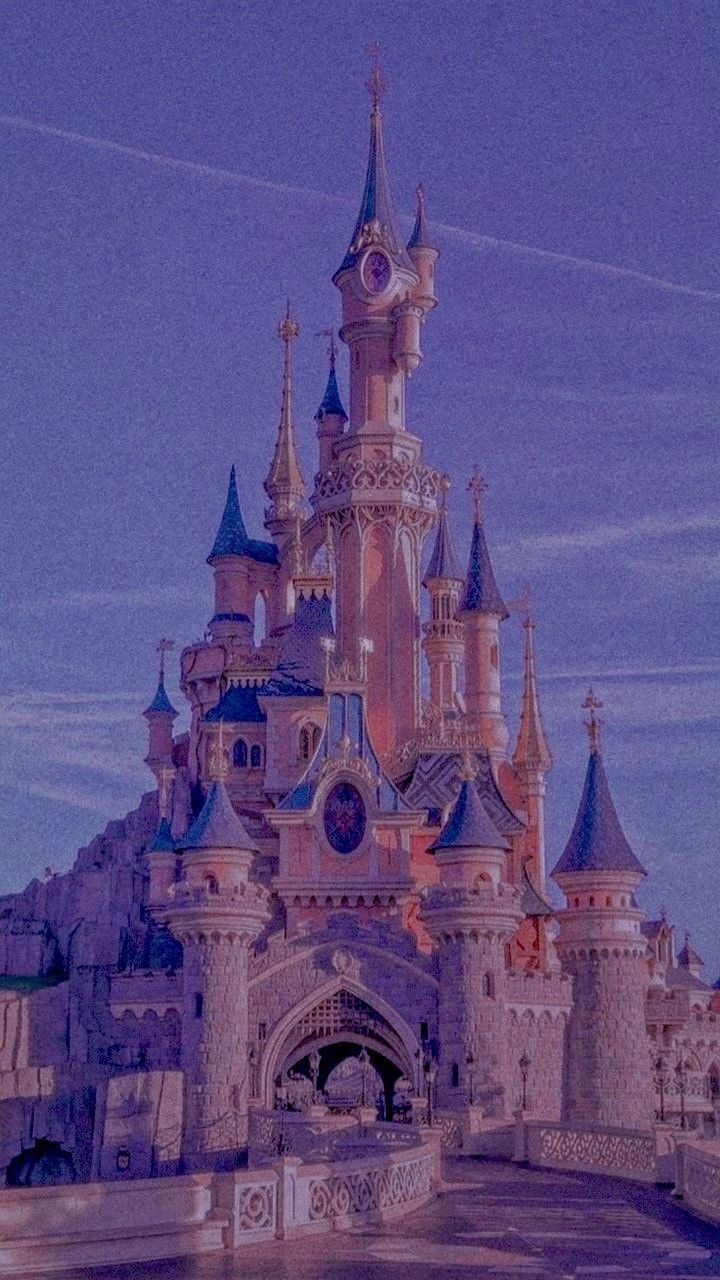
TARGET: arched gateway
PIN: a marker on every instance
(338, 1024)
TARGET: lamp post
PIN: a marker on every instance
(661, 1081)
(430, 1076)
(524, 1065)
(314, 1061)
(364, 1060)
(680, 1078)
(470, 1063)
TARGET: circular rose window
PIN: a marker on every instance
(344, 818)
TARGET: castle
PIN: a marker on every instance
(335, 895)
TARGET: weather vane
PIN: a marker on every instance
(478, 488)
(593, 724)
(332, 352)
(376, 83)
(163, 647)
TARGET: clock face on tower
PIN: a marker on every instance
(376, 271)
(344, 818)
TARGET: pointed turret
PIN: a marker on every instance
(231, 539)
(480, 593)
(331, 416)
(217, 825)
(285, 485)
(443, 634)
(689, 959)
(377, 221)
(597, 841)
(602, 946)
(160, 715)
(443, 565)
(482, 610)
(163, 842)
(531, 749)
(469, 825)
(424, 256)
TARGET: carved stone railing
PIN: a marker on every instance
(620, 1153)
(47, 1229)
(698, 1178)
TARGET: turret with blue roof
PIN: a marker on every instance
(232, 538)
(597, 841)
(481, 593)
(160, 715)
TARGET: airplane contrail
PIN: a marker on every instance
(472, 239)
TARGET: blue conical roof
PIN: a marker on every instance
(377, 203)
(469, 825)
(163, 841)
(232, 539)
(420, 238)
(217, 826)
(331, 402)
(161, 704)
(443, 561)
(481, 594)
(238, 705)
(597, 841)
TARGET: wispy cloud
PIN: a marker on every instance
(61, 711)
(140, 597)
(77, 797)
(591, 673)
(598, 536)
(476, 240)
(471, 239)
(669, 398)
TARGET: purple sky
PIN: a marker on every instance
(570, 155)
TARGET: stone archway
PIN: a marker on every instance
(338, 1023)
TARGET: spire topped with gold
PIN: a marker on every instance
(285, 485)
(376, 84)
(531, 750)
(477, 487)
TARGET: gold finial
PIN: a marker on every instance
(288, 329)
(420, 193)
(376, 84)
(164, 646)
(166, 775)
(478, 488)
(593, 724)
(217, 757)
(444, 487)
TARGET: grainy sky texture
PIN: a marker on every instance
(171, 171)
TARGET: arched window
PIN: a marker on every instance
(494, 657)
(713, 1083)
(488, 985)
(455, 1075)
(240, 754)
(255, 757)
(308, 741)
(260, 619)
(211, 884)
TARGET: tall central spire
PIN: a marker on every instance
(285, 485)
(377, 221)
(531, 750)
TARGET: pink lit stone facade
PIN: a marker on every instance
(331, 862)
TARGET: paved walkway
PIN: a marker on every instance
(494, 1220)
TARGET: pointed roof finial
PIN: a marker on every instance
(376, 84)
(285, 485)
(531, 749)
(443, 563)
(478, 487)
(164, 646)
(420, 238)
(593, 724)
(217, 757)
(331, 403)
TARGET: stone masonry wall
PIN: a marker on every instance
(472, 1018)
(609, 1078)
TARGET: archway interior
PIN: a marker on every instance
(381, 1079)
(337, 1028)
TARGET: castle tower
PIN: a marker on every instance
(378, 494)
(471, 914)
(231, 566)
(216, 912)
(443, 642)
(600, 944)
(482, 610)
(331, 416)
(160, 715)
(284, 485)
(532, 761)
